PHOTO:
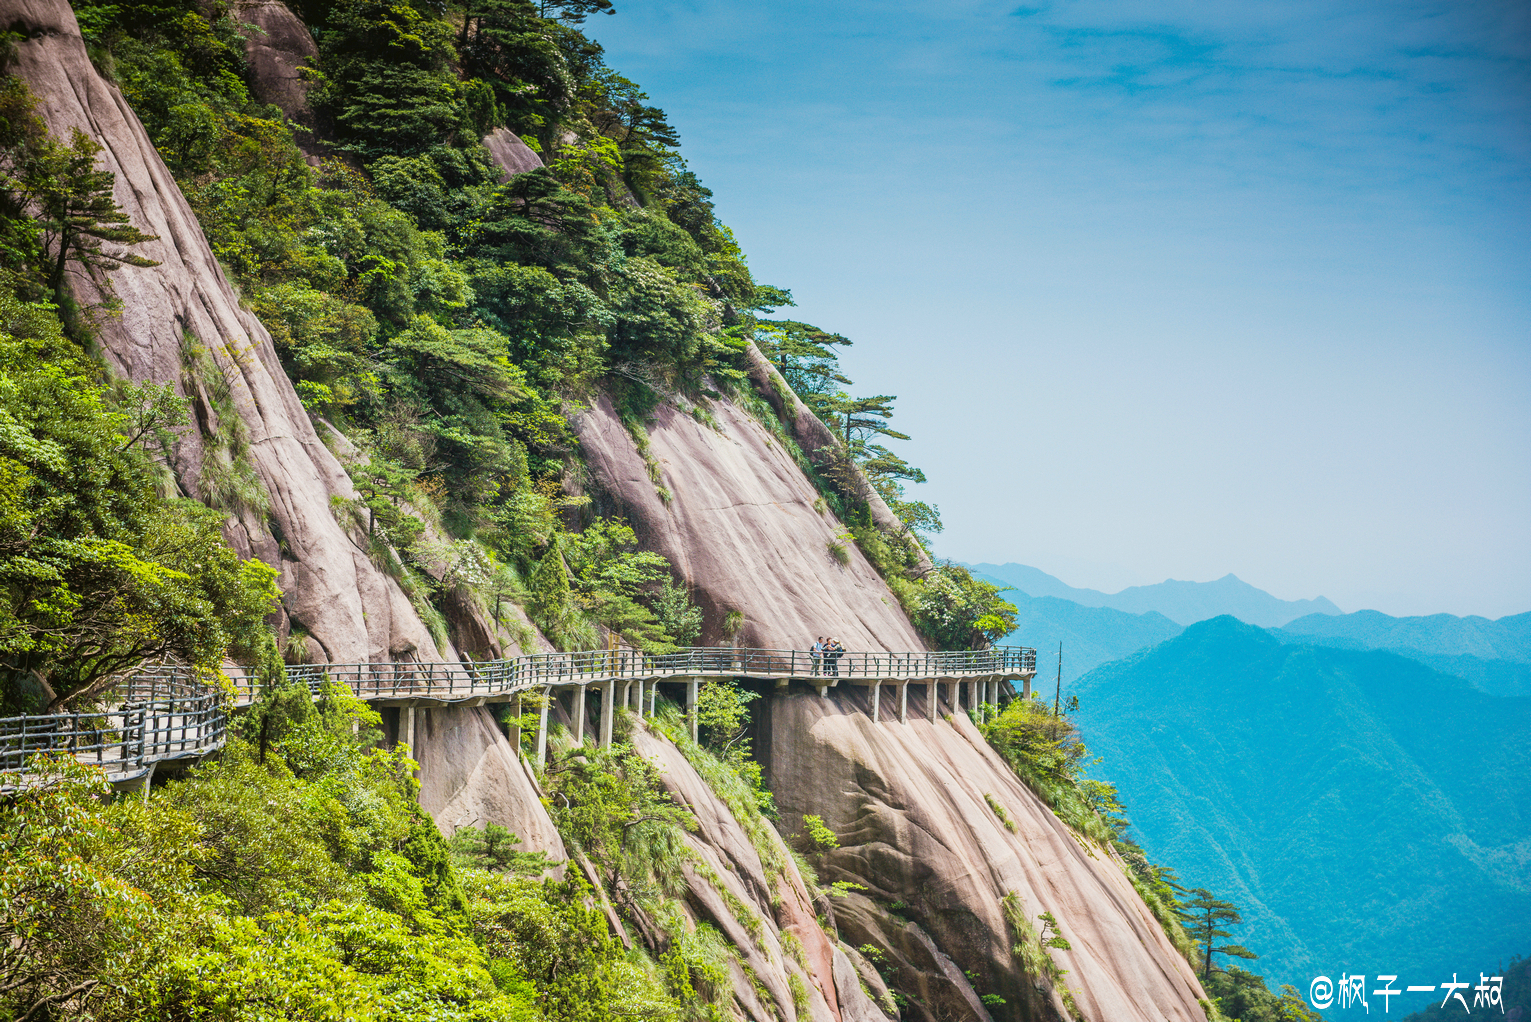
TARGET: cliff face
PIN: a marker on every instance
(910, 805)
(350, 610)
(778, 936)
(741, 526)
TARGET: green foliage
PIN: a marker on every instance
(73, 214)
(1205, 916)
(958, 611)
(493, 848)
(819, 836)
(98, 574)
(609, 804)
(1000, 812)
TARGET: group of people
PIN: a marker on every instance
(826, 653)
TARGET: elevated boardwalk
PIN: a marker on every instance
(165, 714)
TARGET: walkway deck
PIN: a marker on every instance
(163, 713)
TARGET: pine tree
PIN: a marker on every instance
(1204, 915)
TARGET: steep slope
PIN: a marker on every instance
(349, 609)
(909, 804)
(1356, 805)
(1182, 602)
(741, 526)
(777, 934)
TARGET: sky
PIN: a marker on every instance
(1164, 290)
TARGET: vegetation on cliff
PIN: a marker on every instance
(448, 321)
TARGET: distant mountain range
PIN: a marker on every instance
(1184, 603)
(1493, 655)
(1369, 814)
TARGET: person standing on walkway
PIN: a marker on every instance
(833, 651)
(817, 652)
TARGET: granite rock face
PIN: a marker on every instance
(510, 154)
(742, 528)
(729, 856)
(470, 776)
(350, 610)
(909, 804)
(277, 47)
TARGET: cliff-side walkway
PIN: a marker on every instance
(165, 713)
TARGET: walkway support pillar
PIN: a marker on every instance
(691, 720)
(1025, 688)
(876, 699)
(513, 732)
(579, 715)
(933, 698)
(608, 711)
(542, 727)
(975, 695)
(653, 697)
(903, 702)
(956, 697)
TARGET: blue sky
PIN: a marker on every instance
(1164, 290)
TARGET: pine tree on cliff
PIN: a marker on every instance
(78, 213)
(1204, 915)
(550, 587)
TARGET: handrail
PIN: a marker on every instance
(166, 712)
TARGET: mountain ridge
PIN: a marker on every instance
(1315, 787)
(1184, 603)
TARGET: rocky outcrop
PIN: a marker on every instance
(910, 805)
(349, 610)
(778, 935)
(470, 776)
(822, 448)
(278, 47)
(742, 526)
(510, 154)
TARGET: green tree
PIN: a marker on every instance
(97, 575)
(958, 611)
(1205, 916)
(78, 214)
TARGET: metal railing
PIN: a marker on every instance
(166, 712)
(123, 740)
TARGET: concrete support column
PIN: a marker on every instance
(1025, 688)
(608, 711)
(876, 699)
(653, 697)
(579, 715)
(410, 714)
(933, 697)
(823, 691)
(514, 730)
(639, 683)
(691, 684)
(975, 697)
(956, 697)
(542, 727)
(903, 702)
